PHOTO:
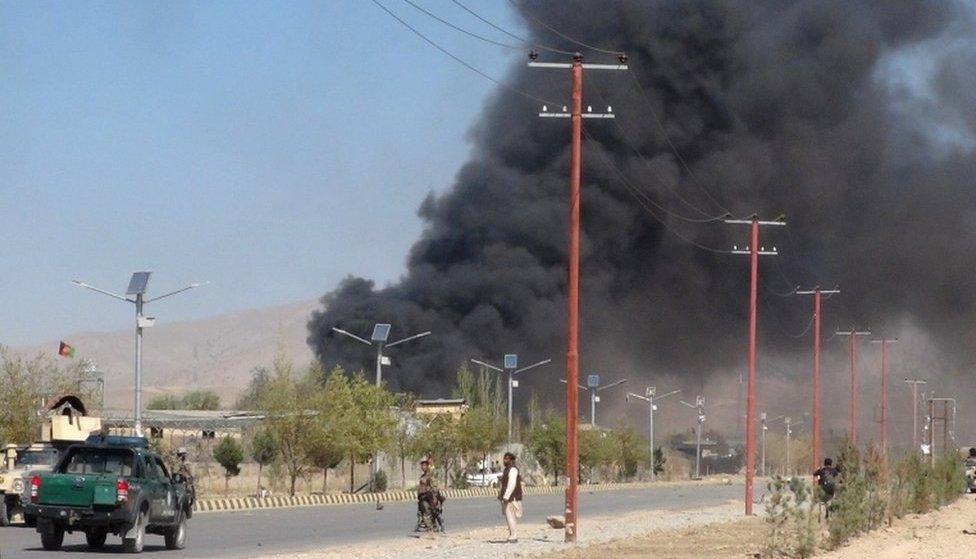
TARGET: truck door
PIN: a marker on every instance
(154, 490)
(169, 504)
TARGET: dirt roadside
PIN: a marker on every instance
(949, 533)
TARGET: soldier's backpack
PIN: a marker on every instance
(828, 481)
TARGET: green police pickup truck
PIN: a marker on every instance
(110, 485)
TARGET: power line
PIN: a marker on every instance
(667, 138)
(510, 34)
(633, 147)
(567, 37)
(459, 60)
(460, 29)
(640, 197)
(708, 219)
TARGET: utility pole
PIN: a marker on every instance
(650, 396)
(853, 333)
(699, 406)
(815, 417)
(511, 368)
(754, 251)
(576, 117)
(946, 402)
(915, 382)
(884, 391)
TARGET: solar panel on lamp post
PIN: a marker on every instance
(650, 397)
(137, 288)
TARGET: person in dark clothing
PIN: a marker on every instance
(827, 479)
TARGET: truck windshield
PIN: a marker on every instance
(98, 461)
(37, 458)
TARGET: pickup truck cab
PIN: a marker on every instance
(110, 485)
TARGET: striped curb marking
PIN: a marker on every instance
(254, 503)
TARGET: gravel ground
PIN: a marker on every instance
(535, 539)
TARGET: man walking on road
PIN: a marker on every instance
(510, 495)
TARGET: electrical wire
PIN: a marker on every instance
(461, 29)
(567, 37)
(805, 330)
(641, 197)
(459, 60)
(633, 147)
(773, 291)
(510, 34)
(667, 138)
(662, 209)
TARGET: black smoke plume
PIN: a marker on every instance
(775, 107)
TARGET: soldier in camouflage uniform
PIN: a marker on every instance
(426, 498)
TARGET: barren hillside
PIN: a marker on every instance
(216, 353)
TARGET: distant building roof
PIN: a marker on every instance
(185, 419)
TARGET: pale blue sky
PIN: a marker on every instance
(271, 148)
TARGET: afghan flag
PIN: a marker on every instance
(66, 350)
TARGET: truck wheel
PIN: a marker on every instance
(176, 536)
(96, 537)
(134, 544)
(30, 520)
(52, 536)
(4, 515)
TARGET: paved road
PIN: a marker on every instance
(255, 533)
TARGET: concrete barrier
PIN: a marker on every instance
(278, 501)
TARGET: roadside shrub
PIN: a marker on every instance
(793, 517)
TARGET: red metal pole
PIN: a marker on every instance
(816, 380)
(751, 384)
(572, 314)
(853, 386)
(884, 396)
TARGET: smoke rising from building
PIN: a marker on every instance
(852, 117)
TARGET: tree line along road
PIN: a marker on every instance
(256, 533)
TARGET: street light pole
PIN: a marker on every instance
(915, 382)
(650, 397)
(137, 288)
(699, 406)
(381, 333)
(510, 363)
(593, 388)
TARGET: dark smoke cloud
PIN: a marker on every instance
(777, 107)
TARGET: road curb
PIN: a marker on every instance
(277, 502)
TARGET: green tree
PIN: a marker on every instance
(264, 449)
(630, 450)
(289, 403)
(327, 443)
(373, 422)
(595, 450)
(439, 441)
(480, 431)
(250, 398)
(229, 454)
(659, 460)
(165, 402)
(25, 382)
(200, 400)
(406, 430)
(546, 439)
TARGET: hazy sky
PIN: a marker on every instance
(271, 148)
